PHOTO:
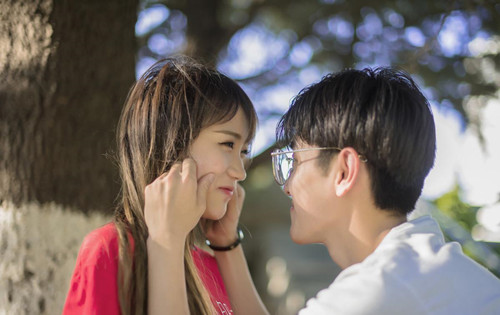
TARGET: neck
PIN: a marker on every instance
(361, 234)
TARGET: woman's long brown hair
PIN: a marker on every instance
(165, 111)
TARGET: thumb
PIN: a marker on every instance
(203, 185)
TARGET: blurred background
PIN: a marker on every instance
(69, 66)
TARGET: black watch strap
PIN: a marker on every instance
(239, 238)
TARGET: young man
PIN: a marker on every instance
(360, 146)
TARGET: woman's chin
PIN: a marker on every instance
(214, 214)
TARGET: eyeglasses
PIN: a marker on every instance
(283, 162)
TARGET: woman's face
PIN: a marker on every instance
(222, 149)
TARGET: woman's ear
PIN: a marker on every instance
(348, 165)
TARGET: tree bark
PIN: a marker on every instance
(206, 32)
(65, 69)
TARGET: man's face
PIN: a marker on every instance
(311, 188)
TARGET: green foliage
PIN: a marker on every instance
(453, 210)
(463, 213)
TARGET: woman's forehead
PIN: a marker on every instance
(236, 126)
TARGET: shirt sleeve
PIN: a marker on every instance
(364, 293)
(93, 287)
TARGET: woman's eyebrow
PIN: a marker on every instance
(230, 133)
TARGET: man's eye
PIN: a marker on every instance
(228, 144)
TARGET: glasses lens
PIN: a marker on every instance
(282, 167)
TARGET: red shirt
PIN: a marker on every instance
(94, 289)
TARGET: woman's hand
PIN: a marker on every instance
(174, 203)
(223, 232)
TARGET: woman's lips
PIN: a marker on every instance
(227, 190)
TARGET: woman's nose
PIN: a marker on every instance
(237, 170)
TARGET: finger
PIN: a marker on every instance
(158, 179)
(176, 168)
(239, 195)
(240, 191)
(189, 169)
(236, 203)
(162, 176)
(203, 185)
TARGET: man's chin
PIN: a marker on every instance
(297, 238)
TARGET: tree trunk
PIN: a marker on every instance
(206, 34)
(65, 70)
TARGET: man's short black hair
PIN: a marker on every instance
(383, 115)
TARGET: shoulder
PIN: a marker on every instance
(377, 285)
(381, 287)
(93, 287)
(104, 234)
(364, 290)
(100, 244)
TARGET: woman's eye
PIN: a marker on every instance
(228, 144)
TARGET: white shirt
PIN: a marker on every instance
(412, 271)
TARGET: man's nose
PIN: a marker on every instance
(286, 187)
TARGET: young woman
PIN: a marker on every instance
(183, 140)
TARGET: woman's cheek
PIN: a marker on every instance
(201, 168)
